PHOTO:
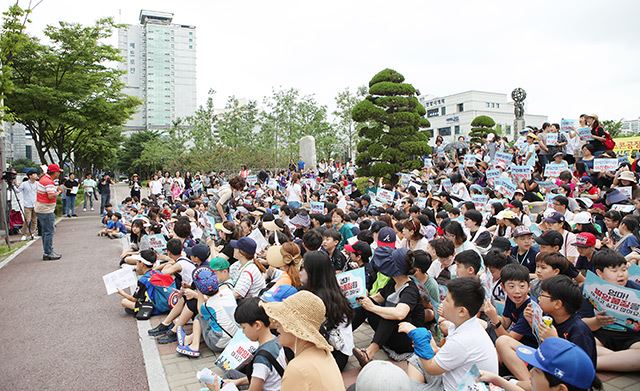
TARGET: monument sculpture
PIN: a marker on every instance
(518, 95)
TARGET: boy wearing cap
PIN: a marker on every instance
(587, 189)
(523, 251)
(618, 346)
(250, 280)
(46, 194)
(144, 263)
(586, 244)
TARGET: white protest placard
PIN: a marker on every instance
(605, 165)
(623, 208)
(421, 202)
(258, 237)
(547, 185)
(469, 160)
(239, 350)
(428, 162)
(405, 178)
(317, 207)
(480, 200)
(567, 125)
(120, 279)
(252, 180)
(536, 319)
(493, 174)
(158, 243)
(385, 196)
(519, 173)
(446, 185)
(353, 285)
(551, 138)
(342, 203)
(554, 169)
(507, 187)
(626, 190)
(616, 301)
(585, 134)
(502, 157)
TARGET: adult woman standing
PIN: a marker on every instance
(321, 281)
(299, 317)
(136, 187)
(219, 202)
(597, 133)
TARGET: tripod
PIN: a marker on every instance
(12, 191)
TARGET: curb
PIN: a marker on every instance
(20, 250)
(156, 377)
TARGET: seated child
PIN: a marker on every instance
(427, 286)
(494, 261)
(115, 229)
(443, 268)
(330, 240)
(560, 299)
(268, 363)
(618, 346)
(144, 264)
(549, 265)
(556, 365)
(467, 344)
(106, 214)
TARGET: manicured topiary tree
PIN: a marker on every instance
(480, 127)
(391, 122)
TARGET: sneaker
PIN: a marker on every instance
(181, 336)
(51, 257)
(84, 209)
(159, 330)
(92, 209)
(74, 215)
(24, 237)
(187, 351)
(169, 337)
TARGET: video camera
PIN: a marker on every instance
(9, 176)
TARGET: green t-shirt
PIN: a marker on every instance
(88, 185)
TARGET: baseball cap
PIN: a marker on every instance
(218, 263)
(51, 168)
(396, 264)
(550, 238)
(515, 204)
(521, 230)
(586, 179)
(279, 294)
(558, 154)
(205, 281)
(359, 248)
(387, 237)
(585, 239)
(245, 244)
(554, 218)
(582, 218)
(561, 359)
(200, 251)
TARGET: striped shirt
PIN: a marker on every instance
(47, 193)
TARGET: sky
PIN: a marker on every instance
(571, 57)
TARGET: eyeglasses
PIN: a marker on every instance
(547, 296)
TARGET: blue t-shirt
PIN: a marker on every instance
(627, 244)
(582, 263)
(575, 330)
(527, 259)
(121, 227)
(111, 224)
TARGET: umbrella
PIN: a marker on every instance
(455, 145)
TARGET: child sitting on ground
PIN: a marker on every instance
(115, 228)
(144, 263)
(549, 265)
(267, 366)
(618, 346)
(560, 299)
(467, 344)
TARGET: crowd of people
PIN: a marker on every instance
(458, 258)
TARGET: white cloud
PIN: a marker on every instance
(570, 56)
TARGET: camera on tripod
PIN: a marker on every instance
(9, 176)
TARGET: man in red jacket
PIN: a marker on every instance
(47, 192)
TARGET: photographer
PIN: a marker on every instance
(28, 189)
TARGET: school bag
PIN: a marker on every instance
(159, 289)
(609, 144)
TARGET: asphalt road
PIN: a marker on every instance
(59, 329)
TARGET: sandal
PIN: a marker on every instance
(187, 351)
(362, 356)
(181, 336)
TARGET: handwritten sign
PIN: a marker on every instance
(536, 319)
(617, 301)
(158, 243)
(404, 178)
(348, 189)
(605, 165)
(480, 200)
(353, 285)
(547, 185)
(502, 157)
(239, 350)
(553, 170)
(626, 190)
(493, 174)
(120, 279)
(585, 134)
(567, 125)
(446, 185)
(552, 138)
(519, 173)
(252, 180)
(421, 202)
(506, 187)
(317, 207)
(385, 196)
(469, 160)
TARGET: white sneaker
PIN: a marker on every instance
(24, 237)
(92, 209)
(84, 209)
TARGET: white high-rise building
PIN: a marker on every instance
(160, 65)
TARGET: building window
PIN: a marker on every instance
(132, 61)
(28, 153)
(132, 70)
(456, 129)
(132, 45)
(444, 131)
(443, 110)
(433, 113)
(460, 107)
(497, 105)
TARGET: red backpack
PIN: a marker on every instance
(609, 144)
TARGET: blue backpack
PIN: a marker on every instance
(160, 289)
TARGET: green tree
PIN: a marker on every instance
(344, 124)
(613, 127)
(99, 152)
(63, 91)
(131, 151)
(201, 124)
(481, 126)
(391, 120)
(239, 123)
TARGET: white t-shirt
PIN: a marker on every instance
(436, 268)
(341, 338)
(250, 281)
(223, 305)
(186, 271)
(531, 149)
(293, 192)
(156, 187)
(568, 249)
(421, 244)
(466, 345)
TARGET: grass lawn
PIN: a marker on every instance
(6, 251)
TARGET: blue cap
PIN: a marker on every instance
(395, 265)
(561, 359)
(200, 251)
(280, 293)
(245, 244)
(205, 281)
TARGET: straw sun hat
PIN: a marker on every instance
(301, 315)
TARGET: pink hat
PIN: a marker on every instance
(51, 168)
